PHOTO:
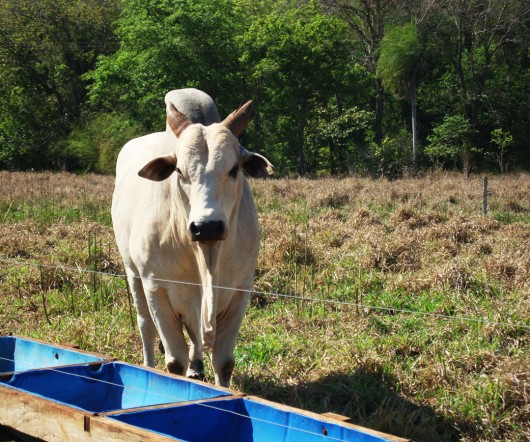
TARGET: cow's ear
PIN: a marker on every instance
(254, 164)
(159, 169)
(238, 120)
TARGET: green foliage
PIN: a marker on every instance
(167, 45)
(336, 143)
(501, 139)
(451, 140)
(296, 60)
(472, 70)
(398, 59)
(18, 134)
(45, 47)
(307, 65)
(93, 145)
(391, 156)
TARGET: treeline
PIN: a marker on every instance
(341, 86)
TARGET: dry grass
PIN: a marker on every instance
(418, 245)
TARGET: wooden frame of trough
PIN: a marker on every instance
(50, 420)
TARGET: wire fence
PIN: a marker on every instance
(276, 295)
(273, 296)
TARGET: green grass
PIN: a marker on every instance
(52, 210)
(371, 249)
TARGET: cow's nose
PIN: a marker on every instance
(207, 231)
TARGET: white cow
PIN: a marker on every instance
(197, 226)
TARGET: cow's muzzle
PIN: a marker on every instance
(207, 231)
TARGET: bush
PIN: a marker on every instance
(336, 142)
(451, 141)
(93, 146)
(502, 140)
(392, 156)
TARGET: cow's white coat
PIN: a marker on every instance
(152, 226)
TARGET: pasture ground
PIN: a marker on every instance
(407, 311)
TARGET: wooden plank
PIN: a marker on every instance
(54, 422)
(107, 430)
(337, 417)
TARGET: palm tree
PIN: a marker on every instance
(398, 68)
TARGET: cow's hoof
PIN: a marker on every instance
(196, 370)
(197, 376)
(175, 367)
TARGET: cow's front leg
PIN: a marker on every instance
(169, 327)
(228, 325)
(143, 317)
(186, 300)
(196, 367)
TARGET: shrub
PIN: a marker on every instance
(452, 141)
(392, 155)
(93, 145)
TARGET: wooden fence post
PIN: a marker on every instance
(484, 195)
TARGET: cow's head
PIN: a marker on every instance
(209, 160)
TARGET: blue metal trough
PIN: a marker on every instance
(244, 420)
(58, 393)
(21, 354)
(110, 386)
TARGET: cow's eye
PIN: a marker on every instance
(182, 178)
(234, 171)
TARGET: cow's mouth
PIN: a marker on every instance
(207, 242)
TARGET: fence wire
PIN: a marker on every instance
(358, 305)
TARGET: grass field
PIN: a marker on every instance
(407, 310)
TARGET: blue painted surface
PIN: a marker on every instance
(110, 386)
(19, 354)
(116, 386)
(240, 420)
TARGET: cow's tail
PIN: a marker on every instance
(209, 312)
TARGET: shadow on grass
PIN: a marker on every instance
(368, 396)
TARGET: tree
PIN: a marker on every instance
(338, 142)
(296, 59)
(452, 140)
(502, 141)
(167, 45)
(398, 68)
(477, 58)
(367, 19)
(45, 47)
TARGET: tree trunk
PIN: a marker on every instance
(301, 134)
(301, 148)
(379, 101)
(467, 159)
(414, 134)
